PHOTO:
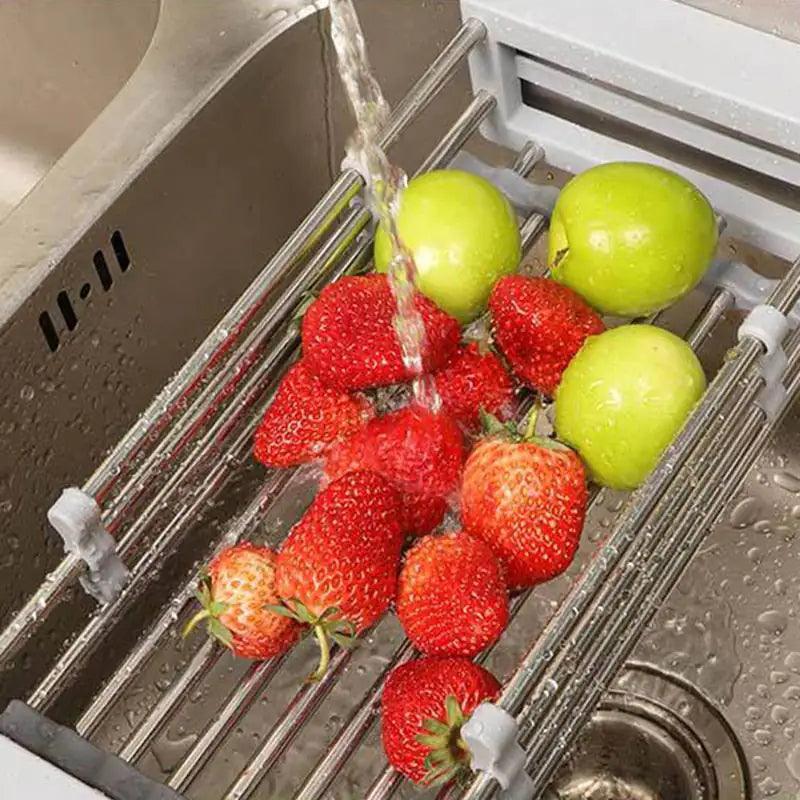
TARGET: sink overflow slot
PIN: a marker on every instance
(65, 304)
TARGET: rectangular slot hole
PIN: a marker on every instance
(67, 311)
(120, 251)
(49, 331)
(101, 267)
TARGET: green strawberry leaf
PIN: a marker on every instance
(220, 632)
(455, 716)
(282, 611)
(436, 726)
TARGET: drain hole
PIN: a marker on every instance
(101, 267)
(49, 331)
(85, 291)
(67, 311)
(120, 251)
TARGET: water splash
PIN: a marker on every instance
(385, 185)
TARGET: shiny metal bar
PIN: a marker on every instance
(89, 721)
(385, 784)
(720, 301)
(236, 706)
(353, 731)
(167, 405)
(298, 712)
(477, 111)
(200, 666)
(433, 79)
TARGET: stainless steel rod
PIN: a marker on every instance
(165, 406)
(433, 79)
(353, 731)
(720, 301)
(198, 668)
(477, 111)
(244, 694)
(302, 706)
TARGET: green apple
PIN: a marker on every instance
(624, 397)
(631, 238)
(463, 235)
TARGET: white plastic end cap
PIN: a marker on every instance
(491, 736)
(76, 518)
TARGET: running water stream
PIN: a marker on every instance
(385, 185)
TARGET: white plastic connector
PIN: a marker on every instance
(769, 326)
(748, 287)
(76, 517)
(526, 197)
(491, 736)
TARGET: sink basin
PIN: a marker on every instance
(61, 65)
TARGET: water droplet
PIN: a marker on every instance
(779, 715)
(168, 752)
(772, 622)
(745, 513)
(788, 481)
(793, 762)
(763, 736)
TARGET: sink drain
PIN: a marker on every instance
(654, 738)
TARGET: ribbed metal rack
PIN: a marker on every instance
(195, 432)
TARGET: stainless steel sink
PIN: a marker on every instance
(200, 146)
(62, 63)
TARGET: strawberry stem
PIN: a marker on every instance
(530, 428)
(321, 635)
(202, 614)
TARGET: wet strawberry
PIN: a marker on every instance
(337, 569)
(349, 340)
(235, 593)
(540, 325)
(526, 498)
(305, 418)
(451, 596)
(419, 451)
(423, 707)
(473, 381)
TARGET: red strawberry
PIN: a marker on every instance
(419, 451)
(473, 381)
(305, 418)
(423, 706)
(540, 325)
(337, 569)
(526, 498)
(235, 594)
(451, 596)
(349, 339)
